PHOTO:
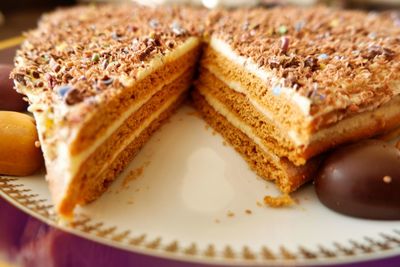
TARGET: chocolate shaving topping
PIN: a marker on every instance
(284, 44)
(376, 50)
(291, 80)
(51, 81)
(146, 53)
(274, 63)
(81, 45)
(35, 74)
(345, 52)
(388, 53)
(170, 44)
(104, 64)
(19, 77)
(116, 36)
(73, 97)
(107, 80)
(63, 90)
(91, 49)
(311, 62)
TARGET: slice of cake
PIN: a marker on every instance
(286, 84)
(100, 80)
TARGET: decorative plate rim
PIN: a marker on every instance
(353, 251)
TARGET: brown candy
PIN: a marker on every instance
(18, 153)
(362, 180)
(9, 98)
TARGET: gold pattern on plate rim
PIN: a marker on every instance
(24, 197)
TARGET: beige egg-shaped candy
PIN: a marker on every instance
(18, 154)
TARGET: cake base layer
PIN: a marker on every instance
(285, 174)
(109, 159)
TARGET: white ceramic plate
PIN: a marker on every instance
(189, 196)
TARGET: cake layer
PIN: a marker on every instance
(66, 188)
(286, 175)
(276, 138)
(311, 67)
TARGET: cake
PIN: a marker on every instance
(285, 85)
(281, 85)
(100, 80)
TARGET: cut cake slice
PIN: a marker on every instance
(100, 80)
(290, 83)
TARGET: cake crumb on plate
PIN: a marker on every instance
(279, 201)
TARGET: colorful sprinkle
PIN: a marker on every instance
(323, 56)
(177, 29)
(284, 44)
(95, 58)
(107, 80)
(299, 25)
(282, 29)
(63, 90)
(116, 36)
(245, 26)
(276, 90)
(334, 23)
(154, 23)
(372, 35)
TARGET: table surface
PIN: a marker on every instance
(25, 241)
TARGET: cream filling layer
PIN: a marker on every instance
(236, 122)
(249, 65)
(74, 161)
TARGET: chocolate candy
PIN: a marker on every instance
(362, 180)
(18, 153)
(9, 98)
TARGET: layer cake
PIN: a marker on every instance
(100, 80)
(286, 84)
(282, 85)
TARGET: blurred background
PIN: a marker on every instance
(16, 5)
(18, 15)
